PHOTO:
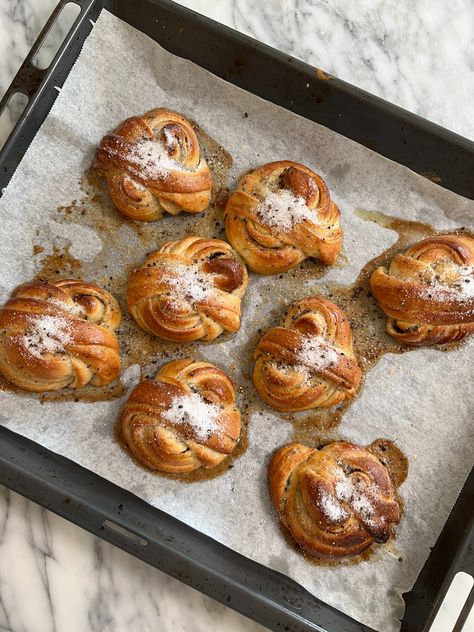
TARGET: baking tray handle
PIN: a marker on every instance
(29, 77)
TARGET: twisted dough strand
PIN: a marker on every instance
(153, 164)
(335, 501)
(175, 447)
(268, 249)
(281, 377)
(59, 334)
(153, 302)
(427, 292)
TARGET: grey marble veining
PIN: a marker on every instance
(419, 54)
(55, 577)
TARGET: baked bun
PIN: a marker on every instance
(308, 361)
(153, 164)
(54, 335)
(189, 289)
(184, 419)
(427, 292)
(335, 501)
(281, 214)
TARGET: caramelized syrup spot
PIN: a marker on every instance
(58, 265)
(87, 393)
(390, 455)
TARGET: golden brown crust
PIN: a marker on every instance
(137, 187)
(285, 381)
(335, 501)
(152, 299)
(59, 334)
(268, 250)
(427, 292)
(159, 444)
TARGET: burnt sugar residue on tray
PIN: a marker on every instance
(57, 265)
(390, 455)
(87, 393)
(371, 341)
(218, 160)
(317, 426)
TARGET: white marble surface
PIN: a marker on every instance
(418, 54)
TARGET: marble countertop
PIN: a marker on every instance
(416, 53)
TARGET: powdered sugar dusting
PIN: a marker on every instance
(299, 369)
(72, 308)
(47, 334)
(303, 371)
(460, 289)
(189, 283)
(170, 139)
(352, 494)
(201, 416)
(332, 508)
(347, 492)
(150, 160)
(315, 353)
(283, 210)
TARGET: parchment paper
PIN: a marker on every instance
(421, 400)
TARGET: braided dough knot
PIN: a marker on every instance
(190, 289)
(153, 164)
(335, 501)
(59, 334)
(309, 360)
(184, 419)
(427, 292)
(281, 214)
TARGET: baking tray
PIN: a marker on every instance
(118, 516)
